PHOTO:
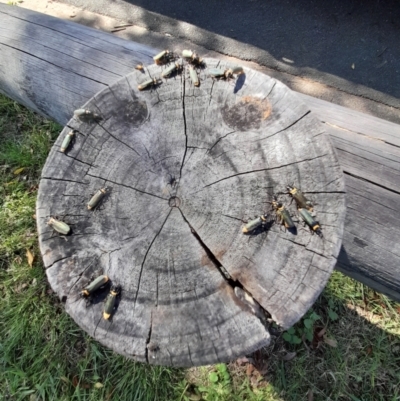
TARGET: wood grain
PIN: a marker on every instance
(185, 167)
(92, 60)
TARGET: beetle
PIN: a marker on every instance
(253, 224)
(282, 213)
(162, 57)
(94, 285)
(67, 141)
(96, 198)
(148, 83)
(171, 69)
(309, 220)
(193, 76)
(59, 226)
(115, 290)
(299, 197)
(237, 70)
(191, 56)
(86, 115)
(219, 73)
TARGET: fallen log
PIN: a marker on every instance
(54, 66)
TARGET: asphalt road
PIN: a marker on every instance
(349, 45)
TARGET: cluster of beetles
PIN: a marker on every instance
(194, 62)
(304, 206)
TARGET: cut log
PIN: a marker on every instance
(186, 167)
(54, 66)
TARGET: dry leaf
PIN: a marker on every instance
(249, 369)
(30, 257)
(310, 395)
(330, 341)
(19, 170)
(98, 385)
(321, 332)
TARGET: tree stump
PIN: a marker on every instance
(186, 167)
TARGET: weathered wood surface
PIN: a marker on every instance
(186, 167)
(54, 66)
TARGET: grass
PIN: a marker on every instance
(347, 347)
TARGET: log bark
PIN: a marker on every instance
(185, 168)
(54, 66)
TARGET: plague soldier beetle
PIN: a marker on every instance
(253, 224)
(298, 196)
(172, 68)
(59, 226)
(146, 84)
(94, 285)
(309, 220)
(228, 73)
(191, 57)
(96, 198)
(163, 57)
(86, 115)
(67, 141)
(115, 290)
(282, 213)
(193, 76)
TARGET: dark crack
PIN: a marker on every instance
(219, 139)
(210, 255)
(223, 271)
(284, 129)
(232, 217)
(117, 139)
(265, 169)
(147, 252)
(306, 246)
(54, 65)
(184, 125)
(372, 182)
(64, 180)
(126, 186)
(146, 353)
(58, 260)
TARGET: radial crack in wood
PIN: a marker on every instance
(185, 168)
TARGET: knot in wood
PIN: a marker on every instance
(174, 201)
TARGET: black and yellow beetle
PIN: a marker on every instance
(253, 224)
(309, 220)
(94, 285)
(282, 213)
(96, 198)
(109, 305)
(299, 197)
